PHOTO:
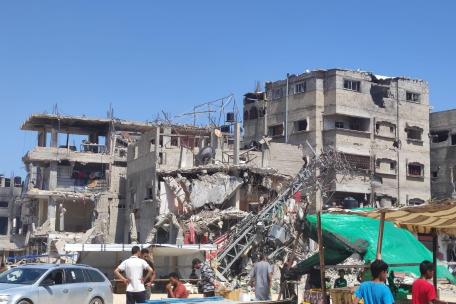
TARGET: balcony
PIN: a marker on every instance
(88, 155)
(81, 185)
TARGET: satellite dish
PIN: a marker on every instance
(218, 133)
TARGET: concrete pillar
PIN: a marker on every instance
(237, 142)
(214, 140)
(54, 138)
(42, 136)
(52, 212)
(33, 176)
(182, 159)
(265, 155)
(53, 175)
(62, 212)
(237, 198)
(156, 152)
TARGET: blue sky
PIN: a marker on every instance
(148, 56)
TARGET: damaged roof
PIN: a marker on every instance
(84, 124)
(37, 122)
(316, 72)
(221, 168)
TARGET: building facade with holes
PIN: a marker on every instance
(443, 154)
(380, 123)
(76, 177)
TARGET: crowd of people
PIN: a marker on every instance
(376, 291)
(138, 274)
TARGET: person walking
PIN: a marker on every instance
(208, 281)
(133, 267)
(423, 292)
(145, 255)
(261, 279)
(375, 291)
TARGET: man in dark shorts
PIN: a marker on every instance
(133, 269)
(145, 255)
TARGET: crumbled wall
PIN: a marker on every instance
(214, 189)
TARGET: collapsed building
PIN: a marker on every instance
(443, 154)
(10, 192)
(379, 123)
(76, 177)
(189, 185)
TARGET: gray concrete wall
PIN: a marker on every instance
(443, 155)
(326, 100)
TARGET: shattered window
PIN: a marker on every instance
(453, 139)
(275, 130)
(414, 133)
(277, 93)
(435, 174)
(412, 97)
(3, 225)
(352, 85)
(393, 165)
(415, 169)
(301, 125)
(339, 124)
(439, 136)
(300, 87)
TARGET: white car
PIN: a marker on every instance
(50, 283)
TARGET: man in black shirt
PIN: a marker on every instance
(145, 255)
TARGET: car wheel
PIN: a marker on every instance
(24, 302)
(96, 301)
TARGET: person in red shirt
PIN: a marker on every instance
(175, 288)
(423, 292)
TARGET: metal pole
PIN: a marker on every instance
(321, 252)
(286, 111)
(434, 258)
(380, 236)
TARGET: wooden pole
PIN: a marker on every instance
(321, 252)
(434, 258)
(380, 236)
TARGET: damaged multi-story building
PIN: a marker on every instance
(190, 184)
(379, 123)
(76, 176)
(443, 154)
(10, 192)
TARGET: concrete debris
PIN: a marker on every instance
(208, 220)
(215, 189)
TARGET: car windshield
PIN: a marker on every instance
(21, 275)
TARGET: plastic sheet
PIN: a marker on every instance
(361, 233)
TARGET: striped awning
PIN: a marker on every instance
(419, 219)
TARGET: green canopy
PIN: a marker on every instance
(342, 232)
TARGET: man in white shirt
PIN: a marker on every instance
(133, 269)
